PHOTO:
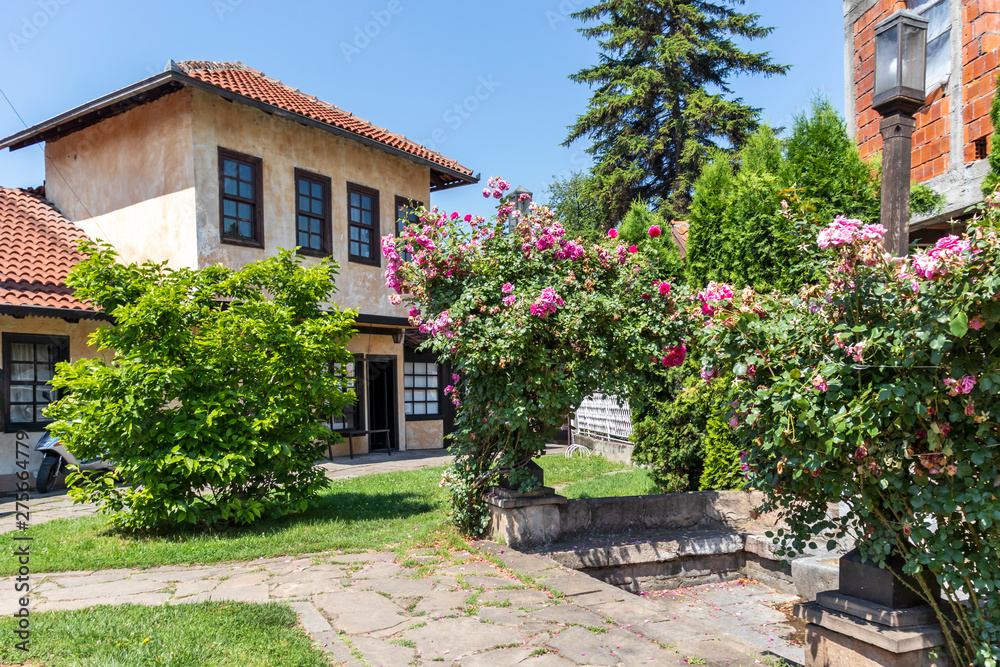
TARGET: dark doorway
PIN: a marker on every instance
(381, 376)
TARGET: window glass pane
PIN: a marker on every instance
(432, 408)
(231, 226)
(355, 248)
(304, 239)
(366, 235)
(314, 226)
(20, 393)
(420, 408)
(22, 372)
(420, 369)
(408, 367)
(419, 395)
(230, 186)
(303, 203)
(229, 208)
(43, 394)
(46, 372)
(317, 206)
(245, 211)
(366, 252)
(315, 243)
(246, 229)
(366, 218)
(354, 233)
(39, 417)
(366, 202)
(355, 215)
(408, 409)
(22, 352)
(229, 167)
(303, 186)
(246, 174)
(938, 60)
(421, 380)
(355, 199)
(21, 414)
(408, 381)
(432, 380)
(246, 190)
(317, 190)
(45, 352)
(939, 19)
(408, 396)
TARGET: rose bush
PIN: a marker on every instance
(879, 389)
(532, 322)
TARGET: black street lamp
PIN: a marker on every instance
(900, 64)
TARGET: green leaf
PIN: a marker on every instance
(960, 325)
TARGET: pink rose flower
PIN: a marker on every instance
(507, 288)
(468, 217)
(664, 289)
(675, 356)
(632, 249)
(654, 231)
(613, 233)
(819, 383)
(509, 300)
(486, 193)
(976, 323)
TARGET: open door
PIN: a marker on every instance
(380, 373)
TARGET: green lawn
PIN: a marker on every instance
(393, 511)
(210, 633)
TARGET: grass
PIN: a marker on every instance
(392, 511)
(210, 633)
(596, 477)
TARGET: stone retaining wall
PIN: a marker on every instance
(619, 452)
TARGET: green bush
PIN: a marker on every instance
(992, 180)
(722, 458)
(663, 252)
(211, 394)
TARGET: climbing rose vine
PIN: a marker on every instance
(879, 389)
(531, 322)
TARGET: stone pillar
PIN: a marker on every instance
(897, 158)
(524, 520)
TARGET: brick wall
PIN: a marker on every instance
(980, 44)
(932, 141)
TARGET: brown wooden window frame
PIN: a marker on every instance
(61, 343)
(404, 202)
(326, 218)
(375, 230)
(256, 164)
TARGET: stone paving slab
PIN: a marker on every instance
(474, 608)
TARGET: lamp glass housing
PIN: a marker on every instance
(900, 63)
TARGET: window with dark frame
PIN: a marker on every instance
(938, 15)
(362, 224)
(312, 213)
(351, 418)
(981, 148)
(421, 389)
(240, 199)
(30, 364)
(406, 213)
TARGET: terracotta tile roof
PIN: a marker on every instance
(37, 250)
(243, 80)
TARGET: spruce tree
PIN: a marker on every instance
(661, 97)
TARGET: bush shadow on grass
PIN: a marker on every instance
(332, 507)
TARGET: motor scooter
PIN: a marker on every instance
(57, 457)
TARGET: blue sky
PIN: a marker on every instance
(484, 83)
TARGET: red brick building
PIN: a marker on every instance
(954, 131)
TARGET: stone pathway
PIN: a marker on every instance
(488, 606)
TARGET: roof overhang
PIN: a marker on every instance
(171, 81)
(58, 313)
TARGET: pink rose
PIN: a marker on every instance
(486, 193)
(664, 289)
(976, 323)
(819, 383)
(507, 288)
(654, 231)
(675, 356)
(632, 249)
(613, 233)
(468, 217)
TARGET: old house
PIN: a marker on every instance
(953, 134)
(214, 162)
(41, 323)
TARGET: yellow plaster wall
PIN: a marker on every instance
(130, 180)
(284, 145)
(79, 348)
(425, 434)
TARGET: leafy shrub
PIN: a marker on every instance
(992, 181)
(670, 440)
(879, 390)
(211, 396)
(662, 251)
(532, 322)
(723, 467)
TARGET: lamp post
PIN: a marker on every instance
(900, 64)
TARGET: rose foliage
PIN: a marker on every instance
(880, 389)
(532, 322)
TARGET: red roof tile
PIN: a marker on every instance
(240, 79)
(37, 250)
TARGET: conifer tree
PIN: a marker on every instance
(661, 97)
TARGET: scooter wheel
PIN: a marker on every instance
(47, 473)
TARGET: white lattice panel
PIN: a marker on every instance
(606, 417)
